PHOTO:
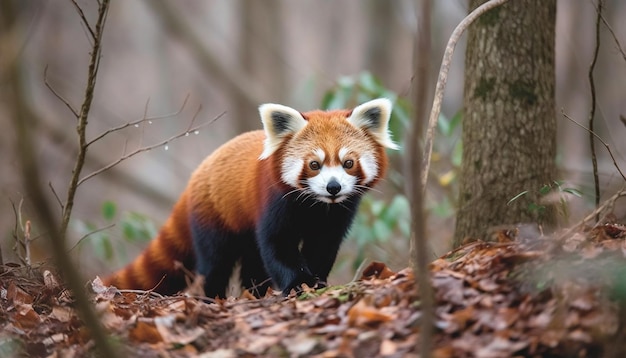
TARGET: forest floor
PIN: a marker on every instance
(516, 296)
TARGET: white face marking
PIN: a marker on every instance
(319, 183)
(369, 167)
(342, 153)
(320, 154)
(291, 170)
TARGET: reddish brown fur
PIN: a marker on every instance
(214, 195)
(209, 199)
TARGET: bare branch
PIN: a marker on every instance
(617, 43)
(139, 121)
(593, 134)
(592, 111)
(84, 19)
(92, 74)
(608, 203)
(56, 195)
(443, 79)
(56, 94)
(89, 234)
(150, 147)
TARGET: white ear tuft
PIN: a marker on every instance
(278, 122)
(373, 117)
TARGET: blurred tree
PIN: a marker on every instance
(382, 29)
(261, 54)
(509, 123)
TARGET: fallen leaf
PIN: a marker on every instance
(377, 270)
(363, 315)
(145, 332)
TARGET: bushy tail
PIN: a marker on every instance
(158, 267)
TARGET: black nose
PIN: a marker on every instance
(333, 186)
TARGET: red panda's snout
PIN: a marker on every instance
(332, 184)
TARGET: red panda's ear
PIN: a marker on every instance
(278, 122)
(373, 117)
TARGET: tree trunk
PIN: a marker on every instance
(509, 123)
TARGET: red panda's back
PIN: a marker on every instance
(225, 187)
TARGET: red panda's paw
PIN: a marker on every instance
(313, 282)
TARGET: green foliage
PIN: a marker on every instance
(352, 91)
(109, 238)
(556, 188)
(381, 219)
(378, 221)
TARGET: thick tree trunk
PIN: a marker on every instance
(509, 122)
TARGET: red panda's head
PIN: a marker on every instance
(328, 155)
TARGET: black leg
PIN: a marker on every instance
(216, 254)
(253, 275)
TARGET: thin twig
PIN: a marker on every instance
(609, 202)
(56, 94)
(592, 112)
(92, 74)
(84, 19)
(594, 135)
(27, 241)
(608, 27)
(143, 293)
(56, 196)
(147, 148)
(139, 121)
(89, 234)
(443, 79)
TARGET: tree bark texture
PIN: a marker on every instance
(509, 122)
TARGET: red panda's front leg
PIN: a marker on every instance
(278, 237)
(282, 258)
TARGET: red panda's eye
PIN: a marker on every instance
(348, 164)
(314, 165)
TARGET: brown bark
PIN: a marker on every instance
(382, 27)
(262, 58)
(509, 123)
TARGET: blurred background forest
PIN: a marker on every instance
(230, 56)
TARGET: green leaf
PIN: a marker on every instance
(108, 210)
(103, 247)
(137, 228)
(443, 208)
(573, 191)
(532, 207)
(455, 121)
(381, 229)
(545, 189)
(457, 154)
(399, 207)
(370, 84)
(443, 124)
(517, 196)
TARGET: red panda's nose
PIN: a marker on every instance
(333, 186)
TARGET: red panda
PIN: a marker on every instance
(279, 200)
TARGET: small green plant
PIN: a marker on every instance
(382, 218)
(104, 237)
(378, 221)
(547, 193)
